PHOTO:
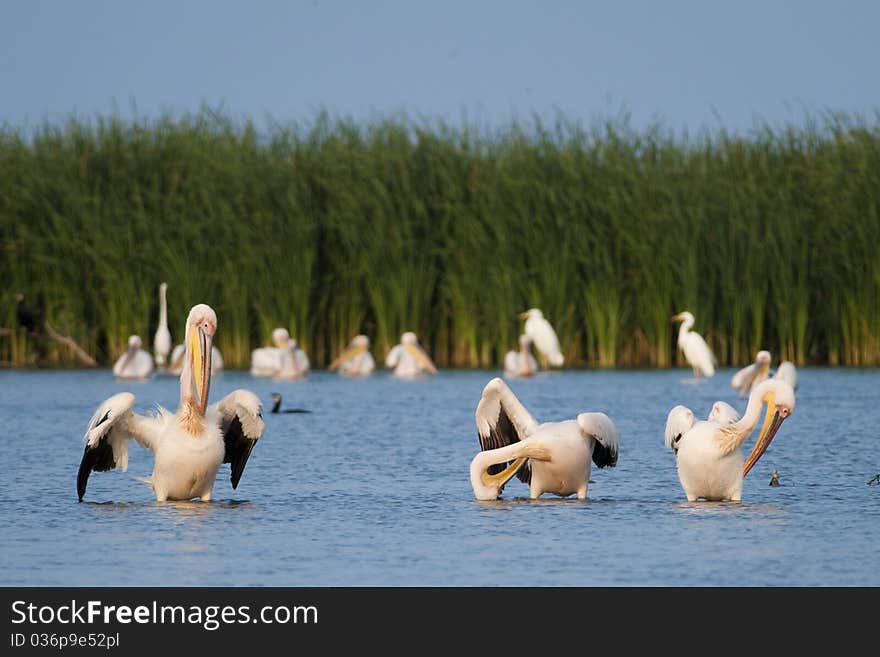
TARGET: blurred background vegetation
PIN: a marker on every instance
(333, 227)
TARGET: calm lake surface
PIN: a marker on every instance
(372, 488)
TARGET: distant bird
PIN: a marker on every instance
(135, 363)
(710, 464)
(294, 362)
(409, 359)
(874, 481)
(774, 478)
(787, 372)
(276, 397)
(553, 457)
(521, 363)
(162, 338)
(681, 419)
(29, 318)
(696, 351)
(355, 359)
(543, 336)
(188, 446)
(751, 375)
(267, 361)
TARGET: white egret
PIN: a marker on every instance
(162, 338)
(543, 336)
(696, 351)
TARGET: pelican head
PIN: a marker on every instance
(683, 316)
(778, 396)
(201, 324)
(360, 341)
(409, 338)
(678, 422)
(531, 312)
(280, 337)
(134, 342)
(763, 357)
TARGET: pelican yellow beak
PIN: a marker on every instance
(200, 344)
(349, 352)
(500, 478)
(421, 356)
(773, 419)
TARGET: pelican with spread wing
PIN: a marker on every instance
(188, 446)
(552, 457)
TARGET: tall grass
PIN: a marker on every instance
(333, 227)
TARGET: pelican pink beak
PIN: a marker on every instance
(773, 418)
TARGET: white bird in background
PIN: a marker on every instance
(696, 351)
(521, 363)
(188, 446)
(294, 362)
(681, 419)
(355, 359)
(267, 361)
(175, 365)
(409, 359)
(162, 337)
(553, 457)
(787, 372)
(135, 363)
(751, 375)
(710, 463)
(543, 336)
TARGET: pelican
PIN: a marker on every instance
(681, 419)
(355, 359)
(409, 359)
(710, 463)
(267, 361)
(696, 351)
(188, 446)
(175, 365)
(552, 457)
(751, 375)
(520, 363)
(787, 372)
(543, 336)
(135, 363)
(162, 337)
(294, 362)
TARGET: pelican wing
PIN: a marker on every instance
(502, 420)
(600, 427)
(107, 436)
(240, 416)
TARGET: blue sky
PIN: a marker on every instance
(689, 64)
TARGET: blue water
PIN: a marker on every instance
(372, 488)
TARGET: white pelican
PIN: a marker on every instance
(520, 363)
(294, 362)
(409, 359)
(710, 463)
(543, 336)
(681, 419)
(787, 372)
(553, 457)
(188, 446)
(175, 365)
(267, 361)
(135, 363)
(696, 351)
(751, 375)
(355, 359)
(162, 337)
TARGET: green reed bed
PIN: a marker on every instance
(334, 227)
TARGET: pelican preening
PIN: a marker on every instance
(188, 446)
(553, 457)
(750, 376)
(681, 419)
(696, 351)
(409, 359)
(710, 463)
(162, 337)
(135, 363)
(355, 359)
(521, 363)
(543, 336)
